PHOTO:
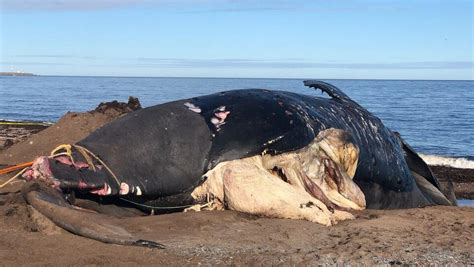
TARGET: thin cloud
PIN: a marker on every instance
(88, 5)
(196, 6)
(20, 63)
(44, 56)
(242, 9)
(64, 5)
(57, 56)
(218, 60)
(296, 64)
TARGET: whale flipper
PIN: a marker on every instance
(51, 203)
(424, 177)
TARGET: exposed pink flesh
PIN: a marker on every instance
(222, 115)
(82, 185)
(67, 160)
(64, 160)
(102, 192)
(28, 174)
(80, 165)
(40, 170)
(314, 190)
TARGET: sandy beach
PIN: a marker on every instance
(431, 235)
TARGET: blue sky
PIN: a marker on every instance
(216, 38)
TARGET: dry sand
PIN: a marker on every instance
(425, 235)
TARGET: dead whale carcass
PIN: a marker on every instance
(264, 152)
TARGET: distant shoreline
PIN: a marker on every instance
(17, 74)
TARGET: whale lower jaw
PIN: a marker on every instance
(313, 183)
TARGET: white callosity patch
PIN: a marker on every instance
(304, 184)
(192, 107)
(271, 141)
(138, 191)
(124, 189)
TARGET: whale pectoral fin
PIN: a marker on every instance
(430, 191)
(251, 189)
(329, 89)
(416, 163)
(419, 167)
(51, 203)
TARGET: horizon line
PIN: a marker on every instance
(207, 77)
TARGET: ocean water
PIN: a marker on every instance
(435, 117)
(466, 203)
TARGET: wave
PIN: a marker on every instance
(460, 162)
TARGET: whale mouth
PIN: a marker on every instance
(314, 183)
(64, 175)
(325, 169)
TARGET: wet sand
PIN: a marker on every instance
(425, 235)
(15, 132)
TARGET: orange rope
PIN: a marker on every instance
(16, 167)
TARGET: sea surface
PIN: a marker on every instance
(435, 117)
